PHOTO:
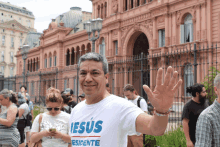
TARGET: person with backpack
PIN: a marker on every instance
(65, 106)
(132, 96)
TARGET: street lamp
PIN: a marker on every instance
(24, 52)
(91, 27)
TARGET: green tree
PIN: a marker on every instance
(209, 84)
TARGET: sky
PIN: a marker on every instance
(46, 10)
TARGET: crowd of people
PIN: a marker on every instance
(99, 118)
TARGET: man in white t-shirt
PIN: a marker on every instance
(132, 96)
(106, 120)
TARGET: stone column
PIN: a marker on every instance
(203, 25)
(128, 4)
(75, 56)
(209, 21)
(110, 43)
(166, 29)
(198, 23)
(65, 59)
(154, 33)
(119, 43)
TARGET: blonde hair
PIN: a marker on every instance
(54, 95)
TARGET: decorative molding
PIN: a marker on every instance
(115, 6)
(137, 27)
(161, 19)
(136, 19)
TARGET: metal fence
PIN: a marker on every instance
(194, 63)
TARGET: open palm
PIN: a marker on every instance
(162, 96)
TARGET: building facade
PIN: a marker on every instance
(15, 23)
(165, 31)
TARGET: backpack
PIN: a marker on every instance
(139, 101)
(67, 110)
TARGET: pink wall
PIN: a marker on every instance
(126, 25)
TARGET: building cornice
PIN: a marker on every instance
(75, 35)
(16, 10)
(54, 32)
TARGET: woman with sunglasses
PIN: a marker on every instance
(54, 124)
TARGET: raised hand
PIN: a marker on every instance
(162, 96)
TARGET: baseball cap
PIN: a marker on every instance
(82, 95)
(68, 91)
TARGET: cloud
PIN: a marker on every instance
(40, 26)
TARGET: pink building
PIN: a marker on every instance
(164, 30)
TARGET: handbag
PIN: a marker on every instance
(22, 123)
(37, 144)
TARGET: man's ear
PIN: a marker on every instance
(216, 90)
(197, 94)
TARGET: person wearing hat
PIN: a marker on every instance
(82, 97)
(69, 93)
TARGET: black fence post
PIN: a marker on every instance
(142, 83)
(195, 64)
(142, 74)
(1, 81)
(113, 84)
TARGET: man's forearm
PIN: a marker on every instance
(186, 131)
(158, 124)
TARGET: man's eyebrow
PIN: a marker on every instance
(86, 70)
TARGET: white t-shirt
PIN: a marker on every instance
(60, 122)
(105, 124)
(25, 107)
(143, 103)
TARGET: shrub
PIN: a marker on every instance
(174, 138)
(36, 111)
(209, 84)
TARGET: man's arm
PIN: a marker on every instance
(186, 129)
(203, 132)
(151, 125)
(162, 99)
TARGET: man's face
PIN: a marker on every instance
(129, 95)
(22, 89)
(202, 96)
(92, 79)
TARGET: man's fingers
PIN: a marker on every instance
(168, 76)
(148, 91)
(176, 87)
(173, 80)
(159, 77)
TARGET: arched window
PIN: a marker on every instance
(72, 57)
(55, 59)
(68, 58)
(187, 29)
(102, 47)
(45, 61)
(188, 77)
(50, 60)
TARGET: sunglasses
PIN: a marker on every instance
(56, 109)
